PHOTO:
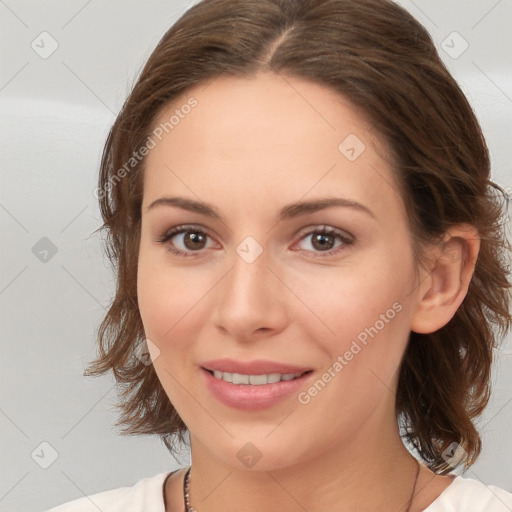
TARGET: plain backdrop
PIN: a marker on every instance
(56, 427)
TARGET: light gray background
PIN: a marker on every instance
(55, 116)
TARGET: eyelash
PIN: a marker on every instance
(325, 230)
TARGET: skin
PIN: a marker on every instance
(250, 147)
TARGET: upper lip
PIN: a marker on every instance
(256, 367)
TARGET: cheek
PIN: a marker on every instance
(170, 300)
(158, 295)
(168, 305)
(365, 321)
(369, 316)
(351, 301)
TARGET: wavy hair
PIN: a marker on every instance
(379, 58)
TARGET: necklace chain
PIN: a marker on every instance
(190, 508)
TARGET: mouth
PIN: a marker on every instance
(254, 391)
(255, 380)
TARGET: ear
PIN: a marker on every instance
(444, 285)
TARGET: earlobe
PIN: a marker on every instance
(444, 286)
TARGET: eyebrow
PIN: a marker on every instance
(289, 211)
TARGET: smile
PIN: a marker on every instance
(254, 392)
(255, 380)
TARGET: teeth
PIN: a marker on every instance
(255, 380)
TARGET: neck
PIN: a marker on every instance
(367, 472)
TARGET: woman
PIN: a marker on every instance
(311, 264)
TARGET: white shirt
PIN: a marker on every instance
(462, 495)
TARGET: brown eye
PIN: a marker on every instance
(193, 240)
(324, 241)
(185, 240)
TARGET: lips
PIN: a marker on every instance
(256, 367)
(247, 397)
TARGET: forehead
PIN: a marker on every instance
(247, 111)
(268, 134)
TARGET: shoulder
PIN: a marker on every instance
(144, 496)
(467, 494)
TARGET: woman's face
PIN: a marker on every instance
(259, 281)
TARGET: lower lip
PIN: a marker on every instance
(253, 398)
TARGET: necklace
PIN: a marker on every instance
(189, 508)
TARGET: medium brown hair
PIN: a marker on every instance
(379, 58)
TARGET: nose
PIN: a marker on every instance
(251, 300)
